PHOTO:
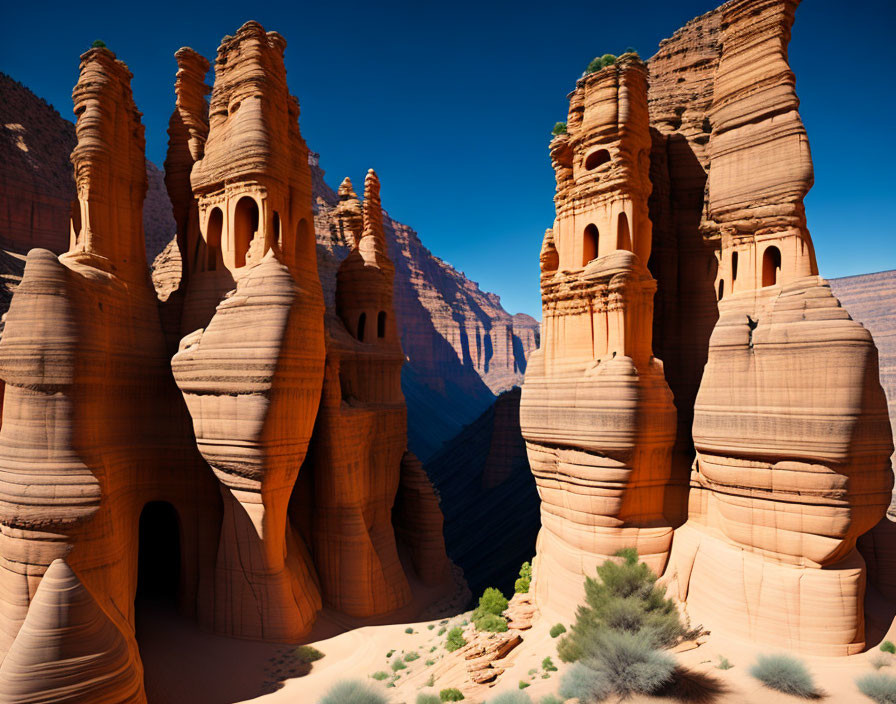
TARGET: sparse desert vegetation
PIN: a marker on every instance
(785, 673)
(353, 692)
(878, 687)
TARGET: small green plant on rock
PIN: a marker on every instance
(599, 62)
(353, 692)
(558, 629)
(888, 647)
(441, 631)
(724, 663)
(411, 656)
(455, 639)
(487, 616)
(784, 674)
(521, 586)
(98, 44)
(548, 665)
(380, 676)
(523, 684)
(398, 665)
(559, 128)
(878, 687)
(492, 624)
(408, 630)
(452, 694)
(307, 653)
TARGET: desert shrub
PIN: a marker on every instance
(559, 128)
(550, 699)
(548, 665)
(431, 682)
(441, 631)
(879, 687)
(430, 626)
(98, 44)
(629, 663)
(785, 674)
(428, 699)
(408, 630)
(888, 647)
(307, 653)
(523, 684)
(452, 694)
(724, 663)
(398, 665)
(880, 660)
(558, 629)
(625, 597)
(380, 676)
(583, 683)
(521, 586)
(411, 656)
(455, 639)
(491, 623)
(492, 601)
(389, 654)
(353, 692)
(511, 698)
(599, 62)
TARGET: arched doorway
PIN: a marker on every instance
(158, 554)
(213, 239)
(771, 266)
(589, 244)
(245, 226)
(623, 234)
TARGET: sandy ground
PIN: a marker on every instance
(184, 664)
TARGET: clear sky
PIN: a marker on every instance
(452, 103)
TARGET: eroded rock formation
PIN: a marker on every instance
(97, 449)
(596, 412)
(789, 426)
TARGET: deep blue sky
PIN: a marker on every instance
(452, 103)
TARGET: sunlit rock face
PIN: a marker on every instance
(776, 387)
(596, 412)
(790, 423)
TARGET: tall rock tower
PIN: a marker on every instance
(251, 367)
(790, 422)
(596, 412)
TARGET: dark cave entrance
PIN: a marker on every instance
(158, 561)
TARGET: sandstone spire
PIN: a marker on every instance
(596, 412)
(68, 651)
(348, 214)
(253, 398)
(110, 168)
(790, 422)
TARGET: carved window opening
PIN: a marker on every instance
(278, 235)
(76, 218)
(245, 226)
(213, 238)
(302, 236)
(771, 266)
(595, 159)
(589, 245)
(362, 323)
(381, 324)
(734, 267)
(623, 234)
(158, 553)
(721, 288)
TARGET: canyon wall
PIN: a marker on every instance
(788, 421)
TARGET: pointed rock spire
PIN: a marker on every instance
(373, 239)
(349, 215)
(68, 650)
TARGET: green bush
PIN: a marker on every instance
(455, 639)
(451, 694)
(430, 626)
(521, 586)
(430, 663)
(353, 692)
(308, 654)
(629, 663)
(441, 631)
(557, 629)
(491, 623)
(878, 687)
(98, 44)
(511, 698)
(888, 647)
(411, 656)
(785, 674)
(724, 663)
(583, 683)
(548, 665)
(599, 62)
(428, 699)
(492, 601)
(408, 630)
(523, 684)
(398, 665)
(559, 128)
(380, 676)
(625, 597)
(550, 699)
(389, 654)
